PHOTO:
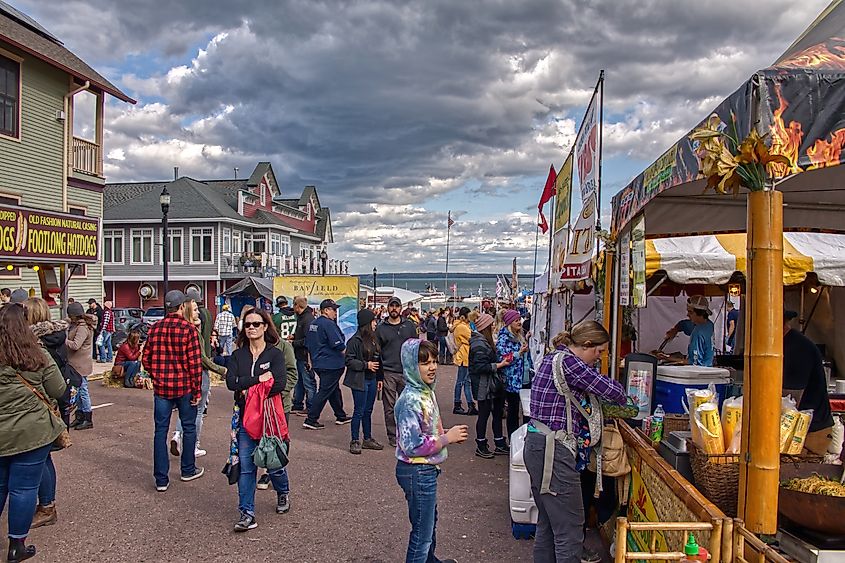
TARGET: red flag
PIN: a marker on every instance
(449, 222)
(548, 193)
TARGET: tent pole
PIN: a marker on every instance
(612, 303)
(760, 457)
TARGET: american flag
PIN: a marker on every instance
(450, 222)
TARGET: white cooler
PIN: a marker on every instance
(523, 509)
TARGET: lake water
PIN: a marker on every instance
(467, 284)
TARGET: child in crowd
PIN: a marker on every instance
(421, 446)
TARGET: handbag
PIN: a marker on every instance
(232, 469)
(99, 340)
(72, 377)
(271, 452)
(63, 440)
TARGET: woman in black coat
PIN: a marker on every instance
(487, 387)
(255, 361)
(364, 376)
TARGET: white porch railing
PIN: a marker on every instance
(87, 157)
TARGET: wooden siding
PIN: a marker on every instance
(91, 285)
(32, 166)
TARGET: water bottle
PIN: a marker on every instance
(657, 424)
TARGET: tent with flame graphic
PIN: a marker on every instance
(800, 102)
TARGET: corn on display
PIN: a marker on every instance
(817, 485)
(732, 424)
(802, 426)
(710, 427)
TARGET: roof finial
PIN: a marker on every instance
(236, 172)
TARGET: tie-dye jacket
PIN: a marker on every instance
(507, 343)
(419, 430)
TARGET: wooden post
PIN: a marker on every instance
(760, 457)
(621, 539)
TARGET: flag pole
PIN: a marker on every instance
(446, 281)
(536, 246)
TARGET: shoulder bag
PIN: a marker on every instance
(271, 451)
(63, 440)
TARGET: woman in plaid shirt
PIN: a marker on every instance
(565, 388)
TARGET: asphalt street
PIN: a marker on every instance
(345, 508)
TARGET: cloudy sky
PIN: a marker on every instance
(401, 111)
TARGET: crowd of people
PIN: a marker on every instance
(302, 357)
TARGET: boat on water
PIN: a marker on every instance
(475, 298)
(431, 295)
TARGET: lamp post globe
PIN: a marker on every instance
(164, 200)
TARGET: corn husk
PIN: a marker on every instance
(696, 398)
(732, 424)
(710, 428)
(802, 427)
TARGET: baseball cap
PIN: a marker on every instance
(329, 304)
(174, 298)
(92, 300)
(788, 315)
(75, 310)
(281, 300)
(19, 296)
(394, 301)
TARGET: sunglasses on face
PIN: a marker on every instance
(253, 325)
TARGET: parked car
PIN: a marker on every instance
(125, 317)
(153, 314)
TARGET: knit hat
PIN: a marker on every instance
(75, 310)
(510, 316)
(19, 296)
(365, 317)
(484, 320)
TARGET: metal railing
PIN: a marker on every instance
(87, 157)
(265, 264)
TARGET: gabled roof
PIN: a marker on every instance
(24, 33)
(258, 173)
(189, 199)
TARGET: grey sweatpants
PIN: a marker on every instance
(560, 521)
(393, 385)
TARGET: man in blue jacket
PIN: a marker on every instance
(326, 345)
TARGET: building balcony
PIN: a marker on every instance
(267, 265)
(87, 157)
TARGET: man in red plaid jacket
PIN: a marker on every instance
(173, 357)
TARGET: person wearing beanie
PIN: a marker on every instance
(511, 345)
(364, 375)
(463, 332)
(487, 387)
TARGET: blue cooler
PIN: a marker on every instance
(672, 381)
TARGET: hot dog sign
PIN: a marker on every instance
(45, 236)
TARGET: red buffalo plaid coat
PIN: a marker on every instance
(173, 357)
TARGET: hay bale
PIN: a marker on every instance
(112, 381)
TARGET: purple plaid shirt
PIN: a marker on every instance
(549, 407)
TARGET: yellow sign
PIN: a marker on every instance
(641, 509)
(563, 197)
(343, 290)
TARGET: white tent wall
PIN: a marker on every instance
(662, 313)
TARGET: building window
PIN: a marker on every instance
(275, 244)
(285, 251)
(177, 244)
(9, 200)
(236, 242)
(227, 240)
(262, 190)
(113, 246)
(142, 246)
(201, 242)
(10, 76)
(259, 243)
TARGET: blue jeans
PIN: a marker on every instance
(130, 370)
(306, 387)
(161, 416)
(363, 413)
(329, 392)
(47, 488)
(463, 382)
(20, 476)
(205, 388)
(105, 347)
(246, 481)
(225, 342)
(83, 398)
(444, 349)
(419, 481)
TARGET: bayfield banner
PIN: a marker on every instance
(587, 150)
(342, 289)
(42, 236)
(579, 256)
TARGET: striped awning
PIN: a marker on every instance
(712, 259)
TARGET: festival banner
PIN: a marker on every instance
(638, 262)
(625, 270)
(43, 236)
(587, 149)
(559, 244)
(579, 256)
(563, 197)
(342, 289)
(641, 509)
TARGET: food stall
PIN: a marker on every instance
(795, 109)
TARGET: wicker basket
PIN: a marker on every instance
(675, 423)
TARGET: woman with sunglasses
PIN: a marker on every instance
(255, 361)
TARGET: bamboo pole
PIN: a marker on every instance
(759, 459)
(621, 539)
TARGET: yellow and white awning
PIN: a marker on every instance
(712, 259)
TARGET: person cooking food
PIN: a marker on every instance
(804, 379)
(699, 328)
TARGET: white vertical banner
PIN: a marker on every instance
(587, 150)
(582, 244)
(625, 269)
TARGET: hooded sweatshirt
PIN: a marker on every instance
(419, 430)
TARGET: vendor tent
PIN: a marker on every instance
(713, 259)
(252, 287)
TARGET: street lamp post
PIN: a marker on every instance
(375, 285)
(164, 200)
(324, 258)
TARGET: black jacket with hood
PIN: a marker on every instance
(356, 364)
(52, 335)
(303, 321)
(483, 376)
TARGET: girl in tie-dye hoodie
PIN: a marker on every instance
(421, 446)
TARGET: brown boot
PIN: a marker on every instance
(44, 516)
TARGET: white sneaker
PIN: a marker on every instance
(199, 452)
(176, 444)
